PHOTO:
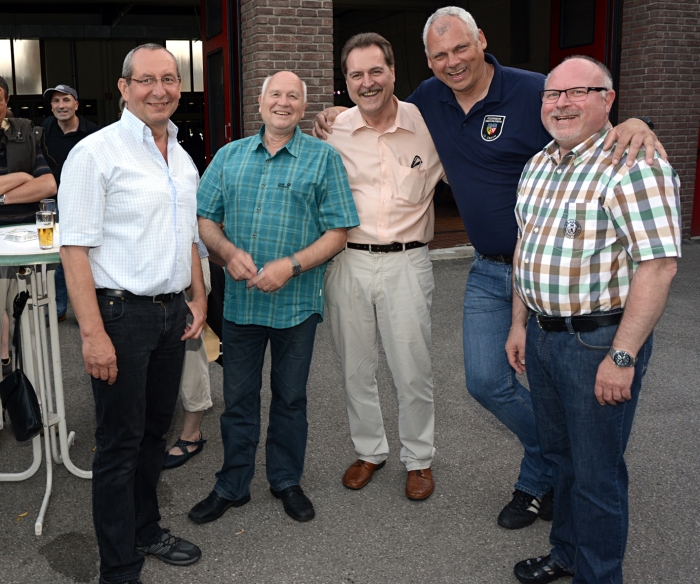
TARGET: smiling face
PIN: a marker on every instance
(152, 105)
(455, 56)
(282, 105)
(63, 106)
(573, 122)
(370, 80)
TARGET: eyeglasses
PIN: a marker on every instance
(151, 81)
(573, 94)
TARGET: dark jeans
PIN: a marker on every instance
(585, 442)
(61, 291)
(488, 309)
(285, 448)
(133, 416)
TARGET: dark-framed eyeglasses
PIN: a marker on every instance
(573, 94)
(152, 81)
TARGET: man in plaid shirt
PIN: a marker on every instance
(593, 266)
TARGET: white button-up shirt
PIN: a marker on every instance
(137, 213)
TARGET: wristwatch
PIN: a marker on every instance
(646, 120)
(296, 266)
(622, 358)
(2, 199)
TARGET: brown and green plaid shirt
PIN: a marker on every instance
(585, 225)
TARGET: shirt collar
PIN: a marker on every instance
(141, 131)
(292, 146)
(580, 152)
(495, 88)
(5, 124)
(402, 120)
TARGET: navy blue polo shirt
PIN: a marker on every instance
(484, 152)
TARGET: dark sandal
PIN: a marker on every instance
(175, 460)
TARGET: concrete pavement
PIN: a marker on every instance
(377, 536)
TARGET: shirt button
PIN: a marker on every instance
(383, 158)
(255, 234)
(558, 170)
(258, 209)
(536, 229)
(547, 200)
(263, 184)
(384, 201)
(384, 180)
(527, 261)
(381, 224)
(528, 291)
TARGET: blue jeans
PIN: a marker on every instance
(490, 379)
(61, 291)
(244, 351)
(585, 442)
(133, 416)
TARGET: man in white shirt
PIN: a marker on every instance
(128, 232)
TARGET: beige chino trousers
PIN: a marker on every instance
(389, 293)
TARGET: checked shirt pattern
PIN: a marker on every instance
(585, 224)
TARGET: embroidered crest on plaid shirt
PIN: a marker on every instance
(492, 127)
(572, 229)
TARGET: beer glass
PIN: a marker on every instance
(48, 205)
(44, 227)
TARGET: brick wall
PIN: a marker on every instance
(295, 35)
(660, 78)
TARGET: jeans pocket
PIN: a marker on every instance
(111, 309)
(598, 340)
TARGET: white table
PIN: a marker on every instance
(35, 274)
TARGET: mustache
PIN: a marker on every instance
(563, 112)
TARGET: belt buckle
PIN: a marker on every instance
(371, 250)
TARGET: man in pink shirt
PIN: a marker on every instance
(383, 279)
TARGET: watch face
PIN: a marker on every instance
(621, 359)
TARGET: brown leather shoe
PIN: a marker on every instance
(419, 484)
(360, 473)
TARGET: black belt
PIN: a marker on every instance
(500, 259)
(385, 248)
(125, 294)
(580, 324)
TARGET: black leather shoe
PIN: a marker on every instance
(539, 571)
(296, 503)
(214, 507)
(520, 512)
(547, 506)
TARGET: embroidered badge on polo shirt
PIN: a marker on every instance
(492, 127)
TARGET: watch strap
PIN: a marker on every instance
(296, 266)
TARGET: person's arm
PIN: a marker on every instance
(633, 134)
(276, 273)
(198, 299)
(515, 345)
(324, 120)
(98, 351)
(13, 180)
(239, 263)
(31, 191)
(645, 304)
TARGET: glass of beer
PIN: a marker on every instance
(44, 227)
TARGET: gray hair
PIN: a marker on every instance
(456, 11)
(128, 67)
(607, 76)
(267, 82)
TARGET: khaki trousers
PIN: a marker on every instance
(390, 293)
(195, 389)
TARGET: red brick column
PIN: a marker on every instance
(295, 35)
(660, 78)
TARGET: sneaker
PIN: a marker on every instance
(547, 506)
(171, 550)
(520, 512)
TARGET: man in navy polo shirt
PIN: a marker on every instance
(485, 122)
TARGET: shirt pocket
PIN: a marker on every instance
(583, 229)
(410, 184)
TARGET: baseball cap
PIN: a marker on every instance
(48, 94)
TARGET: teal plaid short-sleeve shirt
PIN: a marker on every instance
(271, 207)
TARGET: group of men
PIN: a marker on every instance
(301, 223)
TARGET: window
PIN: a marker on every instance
(20, 65)
(188, 55)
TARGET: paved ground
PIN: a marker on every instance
(376, 535)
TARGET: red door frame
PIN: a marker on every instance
(228, 42)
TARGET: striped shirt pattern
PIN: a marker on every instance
(585, 225)
(271, 207)
(137, 213)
